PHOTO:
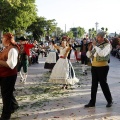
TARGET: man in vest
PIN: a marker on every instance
(99, 52)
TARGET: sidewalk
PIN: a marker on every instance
(41, 100)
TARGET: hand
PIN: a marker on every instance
(35, 42)
(90, 47)
(106, 40)
(94, 43)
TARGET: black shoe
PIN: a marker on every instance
(15, 109)
(89, 105)
(65, 86)
(109, 104)
(85, 73)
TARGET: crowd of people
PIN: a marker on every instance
(115, 41)
(59, 58)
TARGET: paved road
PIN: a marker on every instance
(71, 105)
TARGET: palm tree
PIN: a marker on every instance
(93, 29)
(89, 33)
(102, 28)
(92, 33)
(106, 29)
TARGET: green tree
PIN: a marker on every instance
(37, 28)
(78, 32)
(58, 31)
(50, 26)
(69, 34)
(92, 33)
(105, 30)
(89, 30)
(16, 14)
(102, 28)
(41, 27)
(74, 31)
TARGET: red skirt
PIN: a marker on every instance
(78, 55)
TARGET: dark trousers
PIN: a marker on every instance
(84, 59)
(37, 59)
(24, 64)
(99, 75)
(9, 102)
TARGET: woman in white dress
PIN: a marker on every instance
(63, 72)
(52, 57)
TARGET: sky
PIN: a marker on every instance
(83, 13)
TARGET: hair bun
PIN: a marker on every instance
(10, 35)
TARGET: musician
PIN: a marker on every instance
(100, 56)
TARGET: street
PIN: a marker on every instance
(41, 100)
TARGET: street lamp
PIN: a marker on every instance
(65, 28)
(96, 24)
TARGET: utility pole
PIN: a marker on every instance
(96, 24)
(65, 28)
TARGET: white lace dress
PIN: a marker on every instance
(63, 72)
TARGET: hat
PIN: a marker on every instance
(102, 34)
(84, 39)
(22, 38)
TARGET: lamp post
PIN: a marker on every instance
(65, 28)
(96, 24)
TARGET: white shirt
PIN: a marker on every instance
(52, 47)
(101, 52)
(12, 58)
